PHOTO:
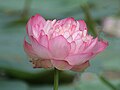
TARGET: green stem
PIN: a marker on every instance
(26, 9)
(56, 78)
(89, 19)
(105, 81)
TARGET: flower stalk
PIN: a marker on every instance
(105, 81)
(89, 19)
(56, 78)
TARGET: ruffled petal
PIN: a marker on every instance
(59, 47)
(40, 50)
(80, 67)
(61, 64)
(78, 58)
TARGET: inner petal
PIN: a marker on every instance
(59, 47)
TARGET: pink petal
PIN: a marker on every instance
(91, 46)
(28, 49)
(66, 34)
(79, 45)
(82, 48)
(59, 47)
(47, 26)
(83, 25)
(42, 63)
(40, 50)
(73, 47)
(77, 26)
(100, 46)
(38, 19)
(80, 67)
(96, 46)
(70, 39)
(67, 21)
(35, 24)
(43, 41)
(74, 35)
(78, 58)
(61, 64)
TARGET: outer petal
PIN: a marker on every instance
(96, 46)
(91, 46)
(43, 41)
(37, 19)
(34, 25)
(78, 58)
(40, 50)
(59, 47)
(80, 67)
(42, 63)
(100, 46)
(28, 49)
(61, 64)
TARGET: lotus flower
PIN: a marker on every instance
(63, 44)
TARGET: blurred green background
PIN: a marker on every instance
(16, 72)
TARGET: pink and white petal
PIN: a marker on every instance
(70, 39)
(79, 43)
(42, 63)
(40, 50)
(76, 34)
(61, 64)
(28, 49)
(77, 26)
(84, 33)
(73, 47)
(43, 40)
(47, 26)
(59, 47)
(80, 67)
(83, 25)
(78, 58)
(66, 34)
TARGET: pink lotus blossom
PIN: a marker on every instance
(63, 44)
